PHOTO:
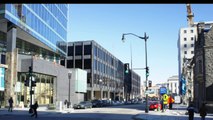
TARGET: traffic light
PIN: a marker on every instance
(126, 68)
(33, 83)
(26, 83)
(147, 71)
(150, 83)
(30, 71)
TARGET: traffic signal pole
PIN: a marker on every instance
(147, 107)
(147, 68)
(30, 83)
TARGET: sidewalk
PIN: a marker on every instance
(177, 113)
(41, 110)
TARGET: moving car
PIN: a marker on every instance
(155, 105)
(83, 105)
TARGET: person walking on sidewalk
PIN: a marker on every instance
(191, 111)
(34, 107)
(10, 101)
(203, 111)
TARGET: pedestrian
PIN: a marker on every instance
(10, 101)
(65, 103)
(191, 111)
(202, 111)
(162, 105)
(170, 101)
(165, 101)
(34, 107)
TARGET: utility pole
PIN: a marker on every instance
(30, 83)
(147, 68)
(147, 72)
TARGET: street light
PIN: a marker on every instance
(147, 68)
(101, 87)
(69, 76)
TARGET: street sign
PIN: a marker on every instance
(149, 92)
(163, 90)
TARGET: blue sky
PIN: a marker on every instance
(105, 23)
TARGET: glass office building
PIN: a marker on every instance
(32, 32)
(105, 72)
(46, 22)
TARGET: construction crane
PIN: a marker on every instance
(190, 15)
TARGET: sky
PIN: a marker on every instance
(105, 23)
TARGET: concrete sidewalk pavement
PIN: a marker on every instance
(25, 111)
(177, 113)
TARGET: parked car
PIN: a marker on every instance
(97, 103)
(155, 105)
(83, 104)
(106, 103)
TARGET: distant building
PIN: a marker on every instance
(185, 46)
(173, 85)
(163, 84)
(105, 72)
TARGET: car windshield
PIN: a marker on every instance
(82, 103)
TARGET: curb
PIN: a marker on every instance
(135, 117)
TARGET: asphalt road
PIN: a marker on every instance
(124, 112)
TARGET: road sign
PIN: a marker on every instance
(163, 90)
(149, 92)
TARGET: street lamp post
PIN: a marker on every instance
(101, 87)
(147, 69)
(69, 76)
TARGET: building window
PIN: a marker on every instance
(185, 52)
(95, 51)
(192, 38)
(87, 49)
(69, 63)
(192, 45)
(63, 62)
(3, 59)
(192, 31)
(78, 64)
(185, 39)
(70, 50)
(192, 52)
(88, 77)
(99, 53)
(78, 50)
(184, 31)
(185, 45)
(87, 63)
(94, 64)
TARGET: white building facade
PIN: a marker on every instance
(173, 85)
(187, 37)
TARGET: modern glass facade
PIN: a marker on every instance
(43, 91)
(46, 22)
(39, 30)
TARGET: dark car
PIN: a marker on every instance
(155, 105)
(106, 103)
(97, 103)
(83, 105)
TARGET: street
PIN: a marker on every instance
(123, 112)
